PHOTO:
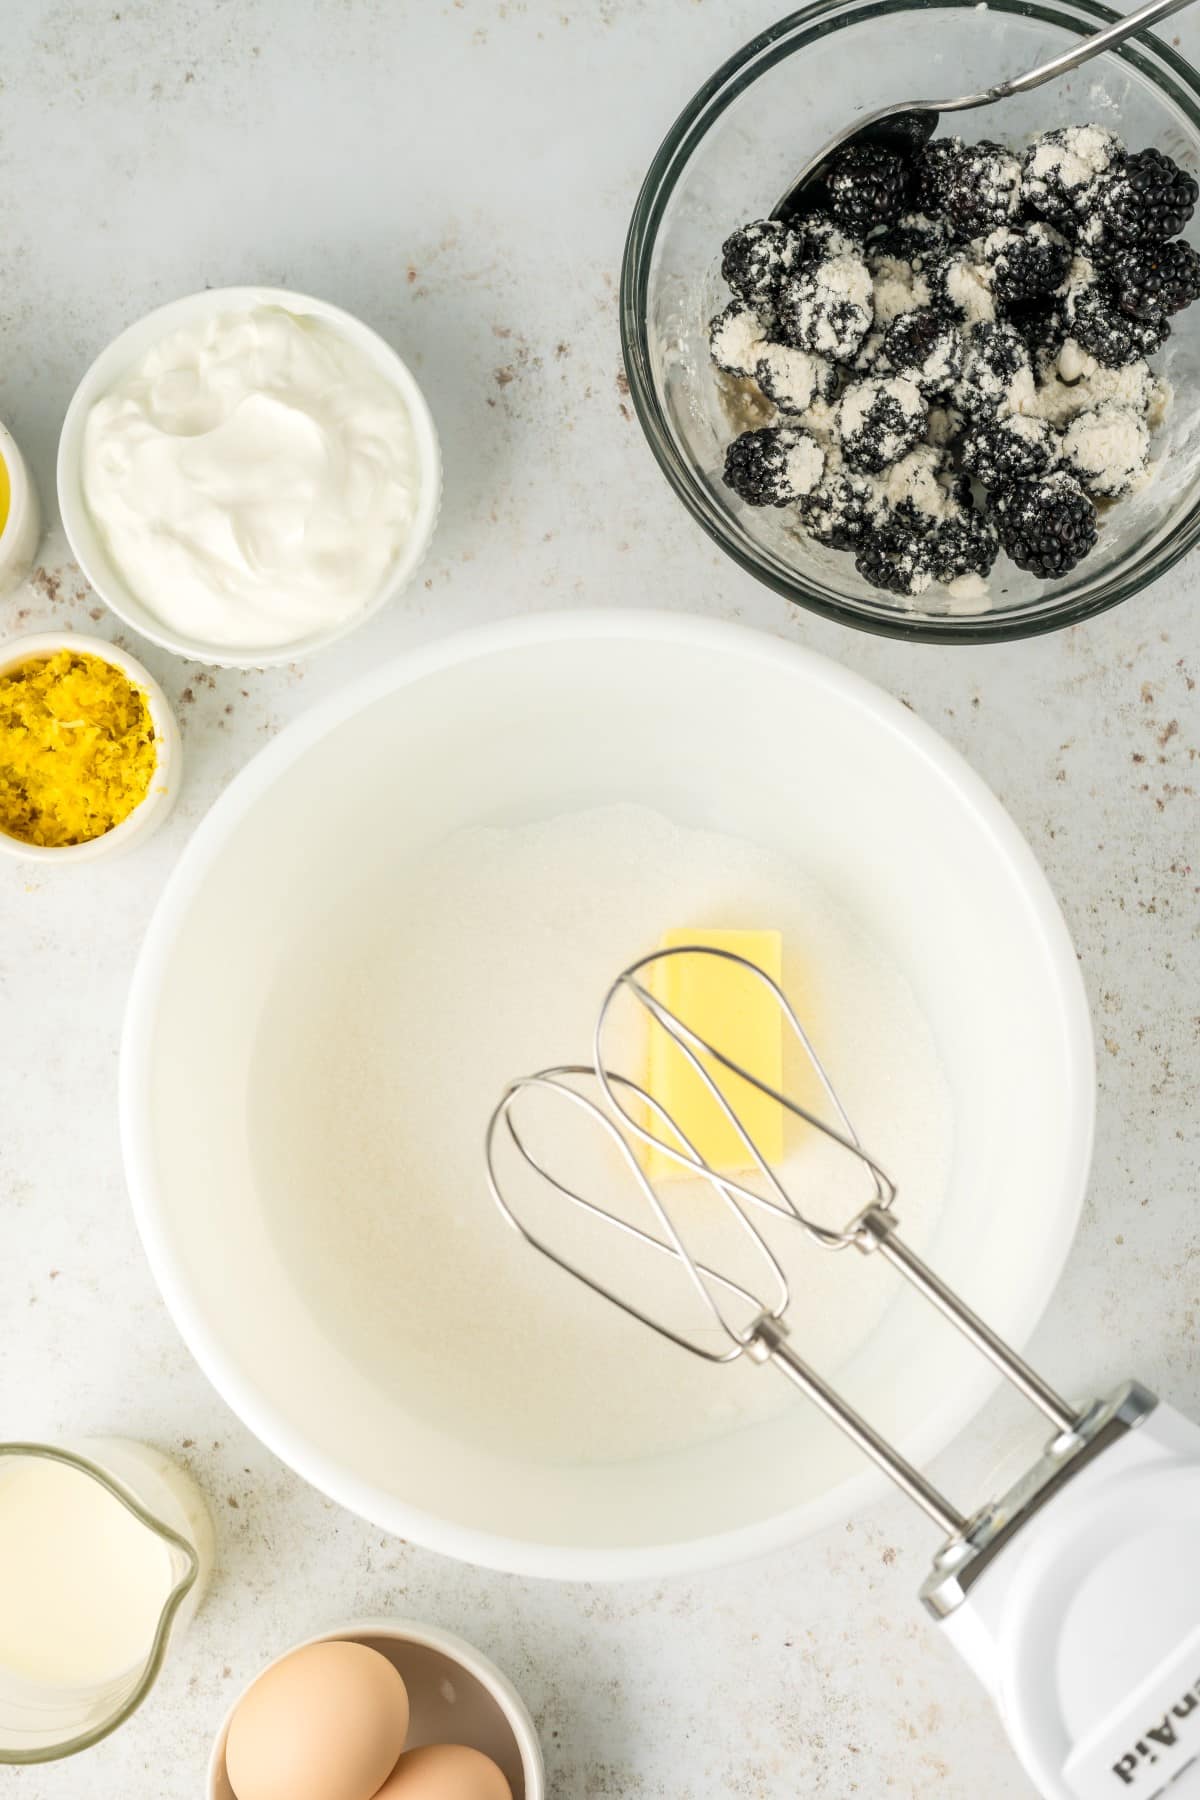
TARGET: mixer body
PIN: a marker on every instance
(1076, 1596)
(1076, 1600)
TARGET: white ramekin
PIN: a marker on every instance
(87, 542)
(23, 528)
(513, 1741)
(150, 813)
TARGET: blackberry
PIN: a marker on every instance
(997, 373)
(896, 559)
(928, 346)
(923, 485)
(1025, 262)
(736, 339)
(1096, 322)
(914, 239)
(933, 168)
(1046, 525)
(1061, 168)
(1155, 281)
(961, 286)
(793, 379)
(1000, 451)
(909, 131)
(828, 307)
(867, 185)
(840, 507)
(871, 359)
(1040, 323)
(981, 189)
(819, 236)
(962, 543)
(1107, 450)
(880, 420)
(754, 260)
(1145, 200)
(774, 466)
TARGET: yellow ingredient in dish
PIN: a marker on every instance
(723, 1004)
(5, 494)
(77, 749)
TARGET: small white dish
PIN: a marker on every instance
(455, 1694)
(87, 542)
(22, 529)
(150, 813)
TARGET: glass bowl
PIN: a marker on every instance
(731, 155)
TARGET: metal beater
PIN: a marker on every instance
(1086, 1630)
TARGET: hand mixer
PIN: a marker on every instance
(1075, 1596)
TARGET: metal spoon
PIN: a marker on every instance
(912, 122)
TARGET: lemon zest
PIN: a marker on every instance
(77, 749)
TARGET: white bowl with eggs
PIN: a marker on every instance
(215, 499)
(455, 1695)
(418, 892)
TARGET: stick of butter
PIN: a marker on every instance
(726, 1006)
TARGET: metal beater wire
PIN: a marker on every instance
(764, 1336)
(874, 1229)
(694, 1048)
(558, 1082)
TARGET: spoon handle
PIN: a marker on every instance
(1115, 33)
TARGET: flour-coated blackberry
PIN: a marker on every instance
(1095, 320)
(774, 466)
(755, 258)
(928, 346)
(999, 451)
(1025, 261)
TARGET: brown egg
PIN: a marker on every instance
(445, 1772)
(326, 1723)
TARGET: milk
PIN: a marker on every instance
(82, 1581)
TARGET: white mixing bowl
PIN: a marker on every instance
(718, 728)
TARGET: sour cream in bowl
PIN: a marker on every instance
(247, 474)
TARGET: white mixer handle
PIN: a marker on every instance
(1085, 1627)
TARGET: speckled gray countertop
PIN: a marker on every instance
(151, 147)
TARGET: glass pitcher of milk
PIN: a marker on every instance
(105, 1549)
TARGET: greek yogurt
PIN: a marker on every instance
(255, 478)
